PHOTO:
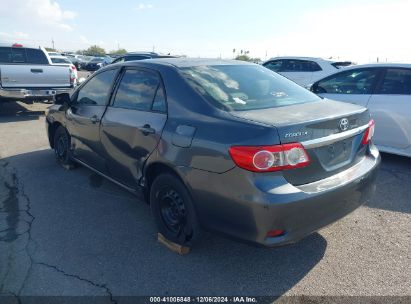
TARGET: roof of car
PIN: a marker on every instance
(301, 58)
(188, 62)
(382, 65)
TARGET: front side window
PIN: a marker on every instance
(137, 90)
(274, 65)
(245, 87)
(96, 91)
(36, 56)
(397, 81)
(348, 82)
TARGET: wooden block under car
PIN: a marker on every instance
(172, 246)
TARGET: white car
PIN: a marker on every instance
(304, 70)
(385, 89)
(64, 61)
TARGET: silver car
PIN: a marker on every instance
(385, 89)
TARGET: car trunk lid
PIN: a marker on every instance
(330, 131)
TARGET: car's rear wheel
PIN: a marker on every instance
(62, 151)
(173, 210)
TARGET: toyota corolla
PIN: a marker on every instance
(222, 145)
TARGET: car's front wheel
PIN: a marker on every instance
(173, 210)
(62, 152)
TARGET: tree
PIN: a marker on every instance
(247, 58)
(118, 52)
(95, 50)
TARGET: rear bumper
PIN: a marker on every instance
(246, 205)
(31, 93)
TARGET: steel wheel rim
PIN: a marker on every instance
(172, 211)
(61, 148)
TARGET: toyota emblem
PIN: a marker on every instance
(344, 124)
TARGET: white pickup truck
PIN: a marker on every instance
(26, 73)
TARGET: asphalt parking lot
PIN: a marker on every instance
(73, 233)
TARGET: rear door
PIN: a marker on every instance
(30, 68)
(390, 107)
(354, 86)
(132, 125)
(84, 116)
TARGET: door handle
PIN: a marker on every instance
(36, 70)
(94, 119)
(147, 129)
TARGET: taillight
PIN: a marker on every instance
(369, 132)
(270, 158)
(73, 67)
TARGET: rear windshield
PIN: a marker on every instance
(245, 87)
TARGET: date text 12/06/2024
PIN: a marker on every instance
(235, 299)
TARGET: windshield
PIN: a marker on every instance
(245, 87)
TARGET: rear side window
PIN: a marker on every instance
(18, 55)
(348, 82)
(396, 81)
(97, 90)
(300, 66)
(137, 90)
(36, 56)
(159, 103)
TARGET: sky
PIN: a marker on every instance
(357, 30)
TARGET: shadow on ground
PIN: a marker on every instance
(11, 110)
(393, 184)
(89, 228)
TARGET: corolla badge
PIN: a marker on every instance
(296, 134)
(344, 124)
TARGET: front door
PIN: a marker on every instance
(390, 107)
(84, 117)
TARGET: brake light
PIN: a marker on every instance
(369, 132)
(17, 45)
(73, 67)
(270, 158)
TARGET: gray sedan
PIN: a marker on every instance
(221, 145)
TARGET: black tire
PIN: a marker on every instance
(173, 210)
(62, 142)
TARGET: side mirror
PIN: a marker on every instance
(62, 98)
